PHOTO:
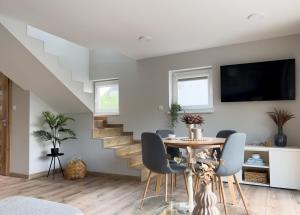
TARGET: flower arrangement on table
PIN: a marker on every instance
(204, 170)
(192, 121)
(205, 165)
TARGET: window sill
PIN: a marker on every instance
(195, 111)
(205, 110)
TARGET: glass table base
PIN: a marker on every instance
(175, 205)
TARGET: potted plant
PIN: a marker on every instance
(280, 117)
(191, 121)
(55, 131)
(175, 108)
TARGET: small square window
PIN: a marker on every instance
(107, 97)
(192, 89)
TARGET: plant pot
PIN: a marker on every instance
(54, 151)
(190, 130)
(280, 138)
(206, 201)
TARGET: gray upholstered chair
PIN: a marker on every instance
(222, 134)
(155, 158)
(173, 152)
(231, 162)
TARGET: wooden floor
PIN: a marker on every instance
(110, 195)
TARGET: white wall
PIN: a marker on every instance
(38, 162)
(97, 158)
(19, 127)
(144, 88)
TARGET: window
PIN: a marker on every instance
(107, 97)
(192, 89)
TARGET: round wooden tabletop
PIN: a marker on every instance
(205, 142)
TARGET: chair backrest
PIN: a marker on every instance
(163, 133)
(173, 152)
(154, 153)
(232, 155)
(225, 133)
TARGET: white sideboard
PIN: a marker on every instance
(282, 165)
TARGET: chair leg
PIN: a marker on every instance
(158, 184)
(172, 183)
(185, 183)
(166, 194)
(241, 193)
(223, 194)
(231, 189)
(146, 188)
(213, 185)
(175, 180)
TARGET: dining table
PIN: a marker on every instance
(191, 145)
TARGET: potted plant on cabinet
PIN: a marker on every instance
(280, 117)
(55, 130)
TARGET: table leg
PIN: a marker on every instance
(62, 172)
(190, 179)
(54, 168)
(50, 167)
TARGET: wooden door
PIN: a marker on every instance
(4, 129)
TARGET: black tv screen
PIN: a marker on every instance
(262, 81)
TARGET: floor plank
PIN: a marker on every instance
(112, 195)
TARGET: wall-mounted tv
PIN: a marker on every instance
(261, 81)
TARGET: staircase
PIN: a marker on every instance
(114, 137)
(56, 60)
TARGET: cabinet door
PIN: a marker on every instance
(284, 169)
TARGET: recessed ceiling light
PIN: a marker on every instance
(255, 16)
(146, 38)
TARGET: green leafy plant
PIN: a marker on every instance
(175, 108)
(55, 131)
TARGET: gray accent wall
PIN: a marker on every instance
(144, 86)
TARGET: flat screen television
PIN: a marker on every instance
(262, 81)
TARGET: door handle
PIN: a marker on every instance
(4, 122)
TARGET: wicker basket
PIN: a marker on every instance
(75, 169)
(256, 176)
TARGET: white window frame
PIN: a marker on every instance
(175, 75)
(103, 83)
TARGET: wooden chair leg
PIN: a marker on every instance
(158, 184)
(241, 193)
(185, 183)
(213, 185)
(166, 194)
(231, 189)
(175, 180)
(172, 183)
(146, 188)
(223, 194)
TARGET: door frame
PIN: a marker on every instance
(6, 146)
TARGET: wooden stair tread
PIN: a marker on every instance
(126, 147)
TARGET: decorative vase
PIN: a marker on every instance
(206, 201)
(280, 138)
(198, 133)
(190, 130)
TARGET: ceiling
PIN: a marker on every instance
(175, 25)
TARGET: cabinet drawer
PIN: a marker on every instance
(284, 169)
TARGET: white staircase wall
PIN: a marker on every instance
(19, 64)
(71, 56)
(50, 61)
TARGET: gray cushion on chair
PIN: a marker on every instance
(19, 205)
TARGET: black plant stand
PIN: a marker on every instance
(53, 156)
